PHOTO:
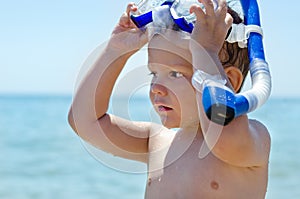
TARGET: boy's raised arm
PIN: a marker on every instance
(88, 115)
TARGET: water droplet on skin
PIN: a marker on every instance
(159, 179)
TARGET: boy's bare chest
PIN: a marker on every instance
(178, 172)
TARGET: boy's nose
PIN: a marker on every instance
(158, 89)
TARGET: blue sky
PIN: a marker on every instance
(44, 43)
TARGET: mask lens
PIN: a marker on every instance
(181, 8)
(145, 6)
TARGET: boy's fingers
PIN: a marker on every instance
(198, 12)
(222, 8)
(209, 7)
(125, 20)
(228, 20)
(129, 7)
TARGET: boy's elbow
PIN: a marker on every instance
(71, 120)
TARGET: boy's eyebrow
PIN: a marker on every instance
(181, 67)
(175, 66)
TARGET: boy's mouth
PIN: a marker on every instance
(162, 108)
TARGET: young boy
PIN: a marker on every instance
(236, 164)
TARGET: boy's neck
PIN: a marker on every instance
(191, 130)
(195, 125)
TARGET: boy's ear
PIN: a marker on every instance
(235, 77)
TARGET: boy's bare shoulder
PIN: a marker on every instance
(261, 133)
(258, 127)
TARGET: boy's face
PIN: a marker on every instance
(171, 92)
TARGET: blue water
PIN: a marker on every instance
(40, 156)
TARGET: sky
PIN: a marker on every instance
(43, 44)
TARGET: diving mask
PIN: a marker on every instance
(167, 12)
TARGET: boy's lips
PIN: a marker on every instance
(162, 108)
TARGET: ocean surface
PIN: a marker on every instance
(41, 157)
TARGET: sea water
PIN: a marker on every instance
(41, 157)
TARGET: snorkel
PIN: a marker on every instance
(220, 103)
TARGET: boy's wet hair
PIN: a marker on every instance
(231, 54)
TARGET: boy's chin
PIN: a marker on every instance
(170, 125)
(174, 124)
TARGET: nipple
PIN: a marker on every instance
(214, 185)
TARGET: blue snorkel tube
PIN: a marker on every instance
(220, 103)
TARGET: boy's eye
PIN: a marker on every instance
(175, 74)
(153, 74)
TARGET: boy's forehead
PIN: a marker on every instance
(171, 43)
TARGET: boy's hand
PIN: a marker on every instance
(126, 36)
(212, 25)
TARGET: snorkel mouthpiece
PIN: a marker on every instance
(221, 105)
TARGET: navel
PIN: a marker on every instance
(214, 185)
(149, 181)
